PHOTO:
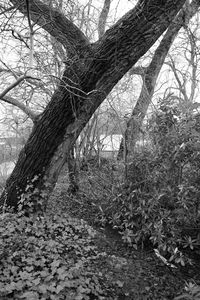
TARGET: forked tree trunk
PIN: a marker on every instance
(150, 75)
(85, 84)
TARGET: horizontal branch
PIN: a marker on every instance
(15, 102)
(36, 82)
(14, 84)
(21, 106)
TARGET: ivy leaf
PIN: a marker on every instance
(30, 296)
(119, 283)
(36, 281)
(59, 288)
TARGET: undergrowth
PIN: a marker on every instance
(157, 203)
(48, 257)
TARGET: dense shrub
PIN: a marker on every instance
(47, 257)
(159, 203)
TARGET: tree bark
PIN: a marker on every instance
(150, 75)
(86, 82)
(103, 17)
(71, 160)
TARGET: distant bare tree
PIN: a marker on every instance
(91, 72)
(150, 74)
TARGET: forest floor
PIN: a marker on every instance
(137, 274)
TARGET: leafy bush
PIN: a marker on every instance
(192, 292)
(47, 257)
(160, 201)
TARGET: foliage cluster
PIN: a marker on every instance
(160, 201)
(192, 292)
(48, 257)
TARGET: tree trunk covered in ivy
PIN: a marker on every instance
(88, 78)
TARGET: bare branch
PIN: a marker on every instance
(116, 52)
(151, 74)
(36, 82)
(14, 84)
(103, 17)
(139, 20)
(21, 106)
(4, 10)
(139, 70)
(181, 86)
(182, 19)
(31, 35)
(15, 102)
(19, 37)
(56, 24)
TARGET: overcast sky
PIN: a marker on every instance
(118, 7)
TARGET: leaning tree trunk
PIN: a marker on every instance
(70, 159)
(150, 75)
(85, 84)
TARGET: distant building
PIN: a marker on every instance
(108, 146)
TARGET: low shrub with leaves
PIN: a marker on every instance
(47, 257)
(160, 201)
(192, 292)
(142, 221)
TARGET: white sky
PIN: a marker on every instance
(118, 8)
